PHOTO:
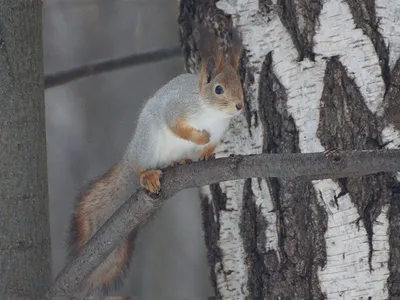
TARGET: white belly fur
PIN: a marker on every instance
(171, 148)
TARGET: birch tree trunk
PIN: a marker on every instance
(25, 270)
(317, 75)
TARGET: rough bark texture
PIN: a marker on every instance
(393, 117)
(25, 266)
(393, 97)
(301, 246)
(335, 65)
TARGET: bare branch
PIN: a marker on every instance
(140, 206)
(52, 80)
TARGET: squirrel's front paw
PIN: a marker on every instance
(200, 137)
(208, 151)
(206, 156)
(150, 180)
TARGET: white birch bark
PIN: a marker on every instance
(348, 80)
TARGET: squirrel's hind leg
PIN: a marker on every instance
(150, 180)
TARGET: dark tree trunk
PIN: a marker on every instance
(317, 75)
(25, 266)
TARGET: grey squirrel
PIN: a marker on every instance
(184, 120)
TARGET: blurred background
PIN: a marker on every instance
(90, 122)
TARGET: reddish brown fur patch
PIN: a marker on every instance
(235, 61)
(208, 151)
(201, 79)
(187, 132)
(115, 270)
(83, 227)
(83, 230)
(235, 57)
(212, 58)
(231, 82)
(150, 180)
(219, 63)
(210, 70)
(236, 49)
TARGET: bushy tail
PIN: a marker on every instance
(96, 204)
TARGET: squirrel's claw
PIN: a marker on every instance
(207, 152)
(207, 157)
(150, 180)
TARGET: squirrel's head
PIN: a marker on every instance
(219, 82)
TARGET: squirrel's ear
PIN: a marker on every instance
(236, 49)
(211, 57)
(211, 67)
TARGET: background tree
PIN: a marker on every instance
(318, 75)
(90, 121)
(25, 268)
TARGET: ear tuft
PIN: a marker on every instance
(205, 40)
(210, 66)
(236, 48)
(211, 56)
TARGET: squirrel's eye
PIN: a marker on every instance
(219, 90)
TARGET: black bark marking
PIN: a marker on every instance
(266, 6)
(247, 79)
(203, 12)
(308, 10)
(301, 221)
(187, 15)
(345, 116)
(392, 99)
(252, 228)
(392, 115)
(394, 243)
(364, 16)
(280, 132)
(343, 190)
(210, 211)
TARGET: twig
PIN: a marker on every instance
(101, 66)
(136, 210)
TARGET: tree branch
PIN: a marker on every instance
(140, 206)
(52, 80)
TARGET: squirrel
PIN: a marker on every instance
(184, 121)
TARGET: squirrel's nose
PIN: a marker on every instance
(239, 106)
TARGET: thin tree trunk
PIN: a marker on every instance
(317, 75)
(25, 270)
